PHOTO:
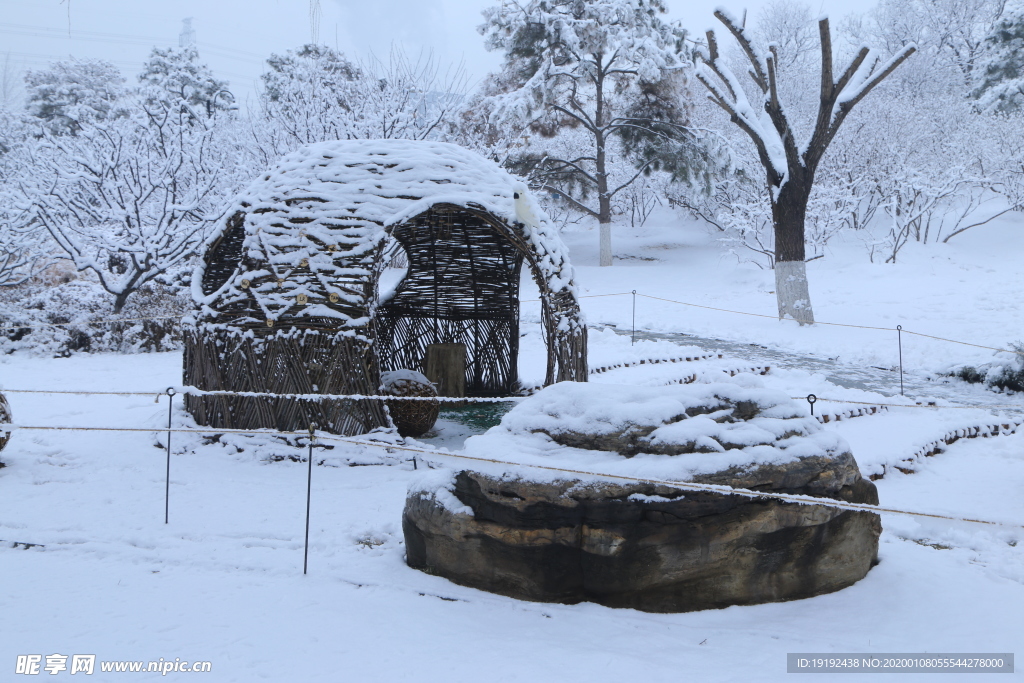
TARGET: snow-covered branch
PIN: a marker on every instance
(128, 198)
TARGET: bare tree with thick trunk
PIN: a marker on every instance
(790, 167)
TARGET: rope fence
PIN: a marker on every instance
(194, 391)
(775, 317)
(930, 404)
(431, 456)
(679, 485)
(817, 322)
(584, 296)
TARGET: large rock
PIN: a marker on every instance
(544, 536)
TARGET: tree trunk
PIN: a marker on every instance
(606, 244)
(789, 211)
(120, 300)
(446, 368)
(791, 291)
(604, 200)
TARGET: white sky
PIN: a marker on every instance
(235, 36)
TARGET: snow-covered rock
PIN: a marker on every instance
(631, 539)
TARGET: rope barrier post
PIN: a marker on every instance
(309, 491)
(167, 479)
(632, 339)
(899, 340)
(811, 400)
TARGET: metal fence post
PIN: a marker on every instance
(899, 340)
(167, 480)
(309, 491)
(632, 339)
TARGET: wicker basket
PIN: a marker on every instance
(411, 418)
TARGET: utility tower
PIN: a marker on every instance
(314, 21)
(187, 37)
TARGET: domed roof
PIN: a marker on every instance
(307, 232)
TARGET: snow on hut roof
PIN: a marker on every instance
(343, 194)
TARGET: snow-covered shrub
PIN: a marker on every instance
(1005, 373)
(77, 316)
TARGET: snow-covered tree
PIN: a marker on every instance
(74, 92)
(178, 74)
(789, 165)
(788, 24)
(1009, 155)
(402, 98)
(15, 130)
(23, 252)
(1000, 73)
(601, 71)
(129, 197)
(949, 34)
(316, 94)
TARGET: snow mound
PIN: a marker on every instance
(393, 378)
(673, 432)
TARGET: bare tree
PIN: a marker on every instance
(790, 166)
(316, 94)
(129, 197)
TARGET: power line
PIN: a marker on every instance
(39, 59)
(98, 36)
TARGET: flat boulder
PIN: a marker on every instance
(559, 535)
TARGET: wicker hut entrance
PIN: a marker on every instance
(462, 287)
(286, 293)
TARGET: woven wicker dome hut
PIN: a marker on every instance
(287, 289)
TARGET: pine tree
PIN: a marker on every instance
(307, 97)
(1000, 84)
(316, 69)
(600, 71)
(73, 92)
(316, 94)
(179, 74)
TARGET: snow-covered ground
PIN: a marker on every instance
(967, 290)
(223, 582)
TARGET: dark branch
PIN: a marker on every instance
(561, 193)
(757, 73)
(827, 77)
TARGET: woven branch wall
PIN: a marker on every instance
(314, 363)
(318, 283)
(462, 286)
(286, 292)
